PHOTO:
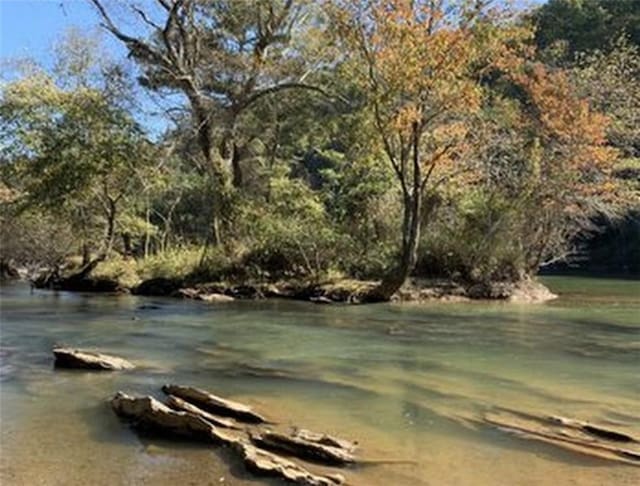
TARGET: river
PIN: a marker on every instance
(393, 377)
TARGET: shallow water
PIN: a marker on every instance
(393, 377)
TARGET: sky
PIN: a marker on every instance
(28, 28)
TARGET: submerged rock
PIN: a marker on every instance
(149, 307)
(574, 435)
(598, 431)
(326, 439)
(262, 462)
(301, 447)
(215, 404)
(76, 358)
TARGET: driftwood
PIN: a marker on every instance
(300, 447)
(214, 404)
(76, 358)
(265, 463)
(181, 405)
(574, 435)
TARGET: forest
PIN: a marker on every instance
(357, 143)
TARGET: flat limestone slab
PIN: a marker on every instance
(265, 463)
(566, 433)
(153, 414)
(90, 360)
(181, 405)
(215, 404)
(303, 448)
(325, 439)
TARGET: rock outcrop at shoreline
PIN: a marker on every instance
(346, 291)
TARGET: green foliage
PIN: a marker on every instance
(34, 238)
(175, 262)
(291, 234)
(610, 80)
(475, 239)
(123, 270)
(276, 146)
(75, 152)
(578, 26)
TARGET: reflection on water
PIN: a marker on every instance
(393, 377)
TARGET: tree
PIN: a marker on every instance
(550, 162)
(223, 56)
(417, 63)
(73, 151)
(584, 26)
(610, 80)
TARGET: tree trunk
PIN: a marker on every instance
(86, 253)
(111, 226)
(147, 236)
(215, 169)
(412, 222)
(126, 243)
(408, 257)
(235, 166)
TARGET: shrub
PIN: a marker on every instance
(477, 240)
(289, 235)
(121, 269)
(175, 262)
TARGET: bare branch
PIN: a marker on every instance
(145, 18)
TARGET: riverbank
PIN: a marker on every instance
(329, 291)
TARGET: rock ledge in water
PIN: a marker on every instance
(566, 433)
(215, 404)
(181, 405)
(265, 463)
(76, 358)
(151, 413)
(325, 439)
(303, 448)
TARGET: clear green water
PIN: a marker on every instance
(393, 377)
